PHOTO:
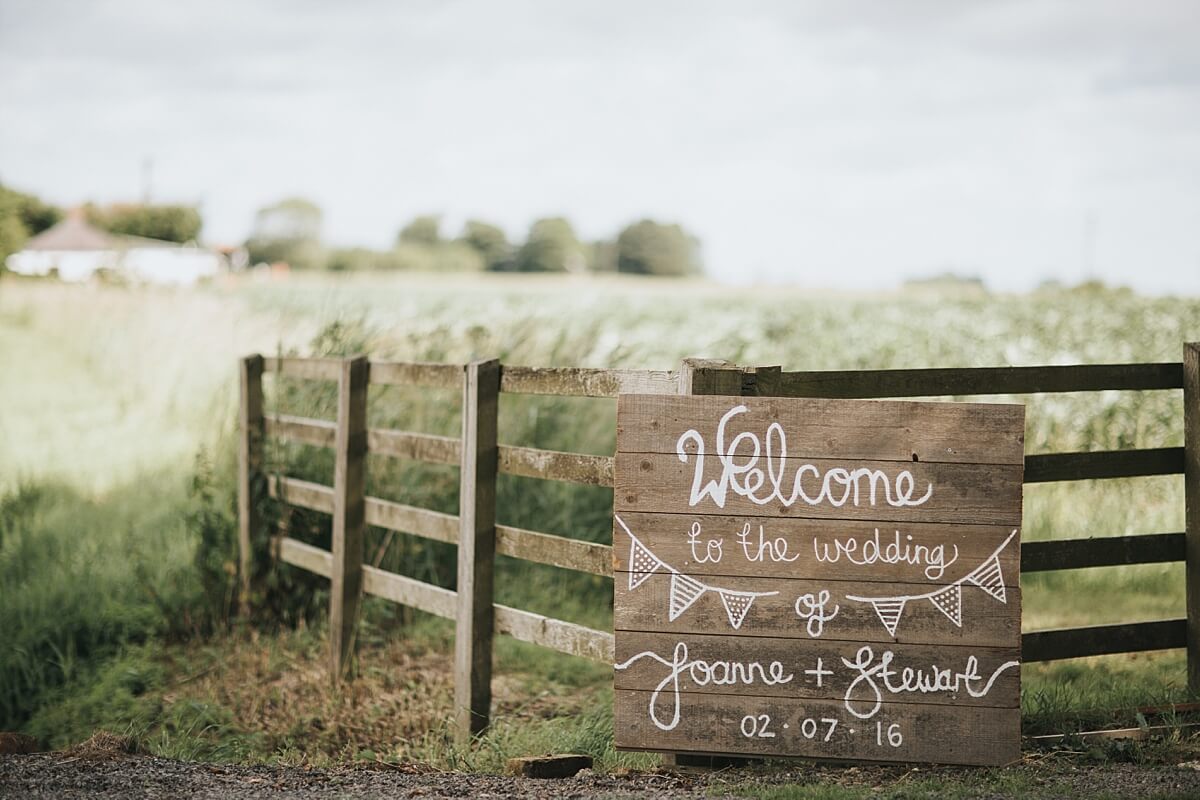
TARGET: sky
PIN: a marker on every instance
(827, 144)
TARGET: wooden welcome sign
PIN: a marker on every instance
(821, 578)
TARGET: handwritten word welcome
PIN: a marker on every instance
(741, 473)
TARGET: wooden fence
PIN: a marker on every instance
(480, 458)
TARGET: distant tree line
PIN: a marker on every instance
(22, 216)
(290, 231)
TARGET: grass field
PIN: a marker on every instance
(115, 444)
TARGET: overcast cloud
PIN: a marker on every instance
(833, 144)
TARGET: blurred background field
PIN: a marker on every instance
(116, 468)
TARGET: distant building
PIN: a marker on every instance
(74, 250)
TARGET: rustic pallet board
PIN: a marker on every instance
(970, 433)
(831, 549)
(584, 382)
(933, 733)
(987, 494)
(818, 578)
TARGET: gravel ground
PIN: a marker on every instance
(66, 776)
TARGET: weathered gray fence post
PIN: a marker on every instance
(250, 443)
(349, 507)
(476, 549)
(1191, 493)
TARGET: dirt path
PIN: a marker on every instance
(61, 775)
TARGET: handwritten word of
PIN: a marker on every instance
(813, 608)
(875, 678)
(873, 551)
(741, 473)
(702, 673)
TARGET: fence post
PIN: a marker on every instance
(1191, 494)
(476, 549)
(349, 507)
(250, 443)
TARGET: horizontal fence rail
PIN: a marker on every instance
(718, 378)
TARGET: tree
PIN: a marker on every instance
(21, 216)
(288, 231)
(651, 248)
(490, 242)
(169, 223)
(425, 229)
(550, 247)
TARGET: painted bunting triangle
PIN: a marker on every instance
(684, 592)
(949, 602)
(989, 578)
(736, 606)
(642, 563)
(889, 610)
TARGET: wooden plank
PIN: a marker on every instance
(555, 465)
(1191, 490)
(583, 382)
(557, 551)
(409, 592)
(814, 670)
(644, 608)
(707, 376)
(1103, 464)
(836, 550)
(315, 432)
(1098, 640)
(981, 494)
(304, 494)
(929, 733)
(313, 369)
(349, 512)
(250, 443)
(476, 550)
(980, 380)
(973, 433)
(405, 373)
(1102, 551)
(414, 446)
(555, 634)
(412, 519)
(305, 556)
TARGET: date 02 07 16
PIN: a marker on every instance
(758, 726)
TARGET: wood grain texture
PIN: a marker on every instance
(250, 451)
(555, 465)
(1103, 464)
(1103, 551)
(407, 373)
(313, 369)
(986, 621)
(305, 556)
(557, 551)
(1098, 640)
(555, 634)
(802, 661)
(412, 519)
(979, 380)
(1191, 482)
(929, 733)
(409, 592)
(315, 432)
(754, 577)
(810, 545)
(973, 433)
(583, 382)
(414, 446)
(349, 513)
(476, 549)
(305, 494)
(979, 494)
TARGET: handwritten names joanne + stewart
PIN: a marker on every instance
(819, 578)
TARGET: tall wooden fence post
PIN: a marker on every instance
(476, 549)
(250, 443)
(349, 509)
(1191, 493)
